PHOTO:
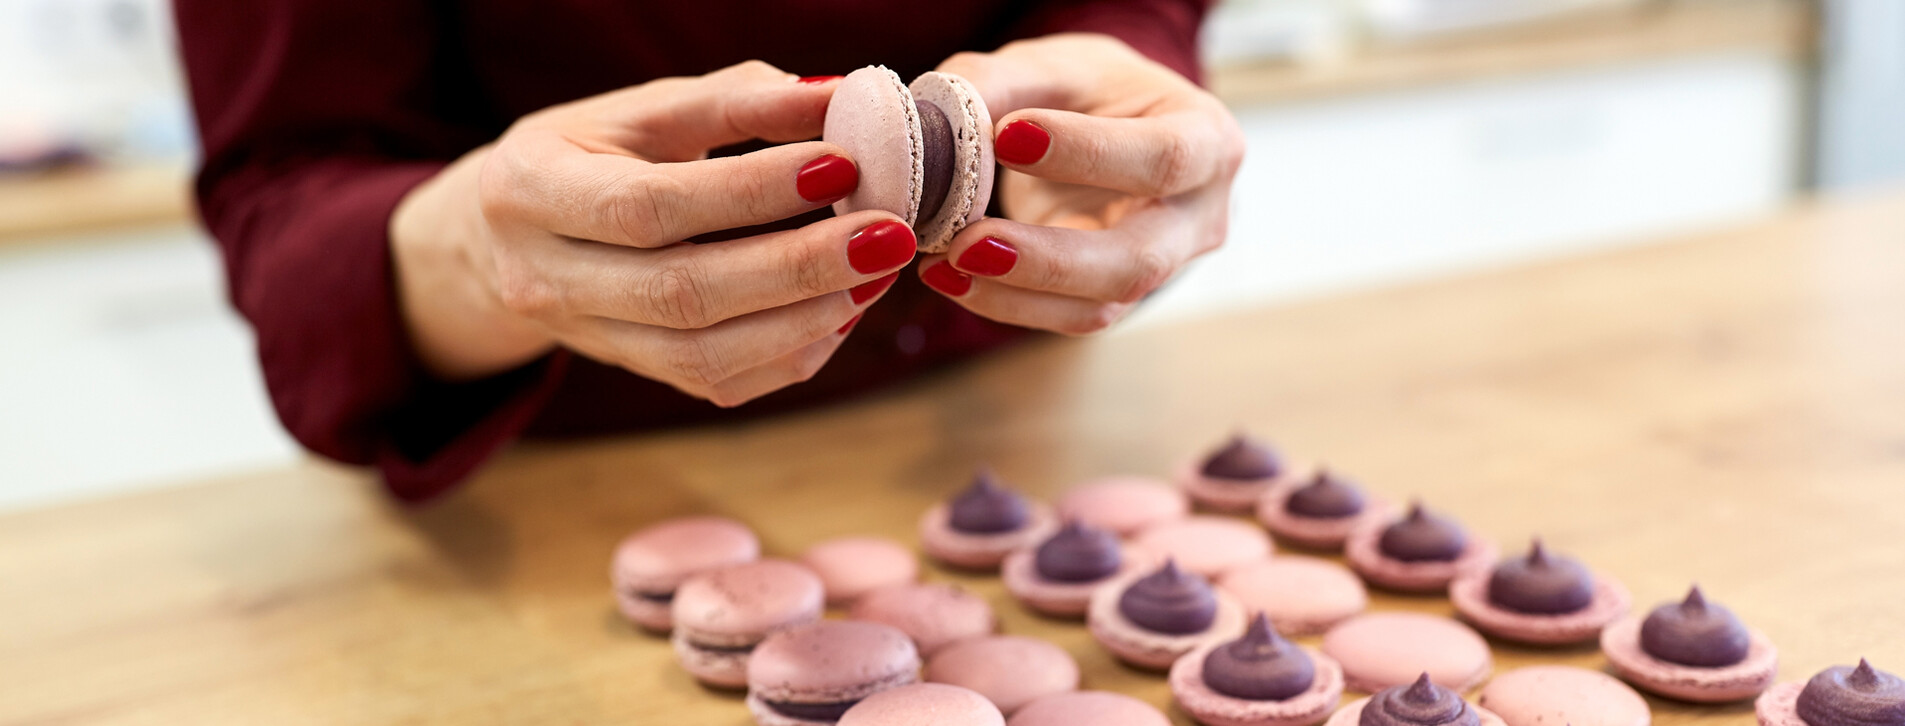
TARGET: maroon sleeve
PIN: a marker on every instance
(316, 117)
(1163, 30)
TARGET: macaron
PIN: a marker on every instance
(722, 614)
(809, 675)
(933, 614)
(1387, 649)
(923, 704)
(1693, 650)
(1552, 695)
(1098, 708)
(1836, 696)
(1058, 576)
(650, 563)
(1009, 670)
(1420, 702)
(978, 527)
(1420, 552)
(1150, 620)
(1233, 477)
(1204, 544)
(924, 151)
(1258, 679)
(1124, 505)
(1541, 598)
(1318, 512)
(853, 566)
(1301, 595)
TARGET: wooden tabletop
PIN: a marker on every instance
(1728, 409)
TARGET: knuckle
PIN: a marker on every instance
(693, 359)
(523, 292)
(963, 60)
(1150, 269)
(804, 271)
(1095, 320)
(647, 212)
(1172, 165)
(675, 297)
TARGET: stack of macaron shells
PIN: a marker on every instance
(652, 562)
(721, 615)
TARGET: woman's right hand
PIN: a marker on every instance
(567, 230)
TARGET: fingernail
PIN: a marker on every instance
(944, 278)
(883, 245)
(815, 80)
(991, 257)
(1021, 142)
(826, 179)
(850, 323)
(868, 290)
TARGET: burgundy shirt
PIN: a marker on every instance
(317, 116)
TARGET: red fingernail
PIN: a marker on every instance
(849, 326)
(991, 257)
(1021, 142)
(944, 278)
(882, 245)
(818, 79)
(868, 290)
(826, 179)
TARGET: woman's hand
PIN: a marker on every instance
(566, 230)
(1118, 172)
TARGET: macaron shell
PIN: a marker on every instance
(932, 614)
(658, 557)
(1365, 556)
(1226, 495)
(1123, 504)
(1388, 649)
(1563, 696)
(1212, 708)
(1352, 715)
(1301, 595)
(924, 704)
(1204, 544)
(1097, 708)
(1150, 649)
(1327, 534)
(1009, 670)
(872, 117)
(973, 164)
(850, 567)
(984, 552)
(1469, 592)
(740, 604)
(1779, 705)
(718, 668)
(1020, 574)
(830, 661)
(1620, 642)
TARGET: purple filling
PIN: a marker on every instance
(732, 649)
(1243, 459)
(1078, 553)
(1170, 601)
(1853, 696)
(1695, 632)
(1325, 497)
(1259, 666)
(1541, 584)
(987, 508)
(1422, 703)
(660, 598)
(937, 136)
(1423, 537)
(827, 712)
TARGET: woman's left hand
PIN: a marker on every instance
(1117, 172)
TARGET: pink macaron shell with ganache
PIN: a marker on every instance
(722, 614)
(1860, 695)
(1079, 559)
(933, 614)
(809, 675)
(651, 562)
(1151, 619)
(980, 525)
(1009, 670)
(1302, 595)
(1125, 505)
(1204, 544)
(1233, 477)
(1093, 708)
(1352, 715)
(1388, 649)
(1324, 530)
(924, 704)
(1552, 695)
(1272, 692)
(1704, 653)
(1421, 573)
(1565, 603)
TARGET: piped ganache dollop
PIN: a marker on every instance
(1260, 666)
(1243, 459)
(1170, 601)
(1423, 537)
(1694, 632)
(987, 508)
(1853, 696)
(1422, 703)
(1541, 583)
(1078, 553)
(1325, 497)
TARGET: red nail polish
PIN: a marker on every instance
(826, 179)
(812, 80)
(882, 245)
(944, 278)
(1021, 142)
(850, 323)
(991, 257)
(868, 290)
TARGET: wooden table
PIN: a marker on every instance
(1728, 409)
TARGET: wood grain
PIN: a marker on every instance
(1728, 409)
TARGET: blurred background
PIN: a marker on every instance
(1389, 140)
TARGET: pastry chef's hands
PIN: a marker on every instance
(565, 231)
(1117, 172)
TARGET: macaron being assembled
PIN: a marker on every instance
(1541, 599)
(982, 524)
(923, 704)
(1385, 650)
(650, 563)
(1058, 576)
(1206, 545)
(1301, 595)
(809, 675)
(924, 152)
(1838, 696)
(1098, 708)
(1234, 477)
(721, 615)
(1256, 680)
(1421, 552)
(1693, 650)
(1008, 670)
(1124, 504)
(932, 614)
(1560, 696)
(1320, 512)
(1418, 703)
(853, 566)
(1151, 620)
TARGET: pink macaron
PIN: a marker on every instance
(653, 561)
(933, 614)
(1319, 512)
(1096, 708)
(1058, 576)
(1301, 595)
(1420, 552)
(810, 675)
(1563, 696)
(1387, 649)
(1124, 505)
(722, 614)
(1151, 620)
(1233, 477)
(1693, 650)
(1009, 670)
(853, 566)
(924, 151)
(1420, 702)
(1860, 694)
(924, 704)
(1206, 545)
(1540, 598)
(982, 524)
(1258, 679)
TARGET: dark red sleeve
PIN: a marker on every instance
(1163, 30)
(316, 117)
